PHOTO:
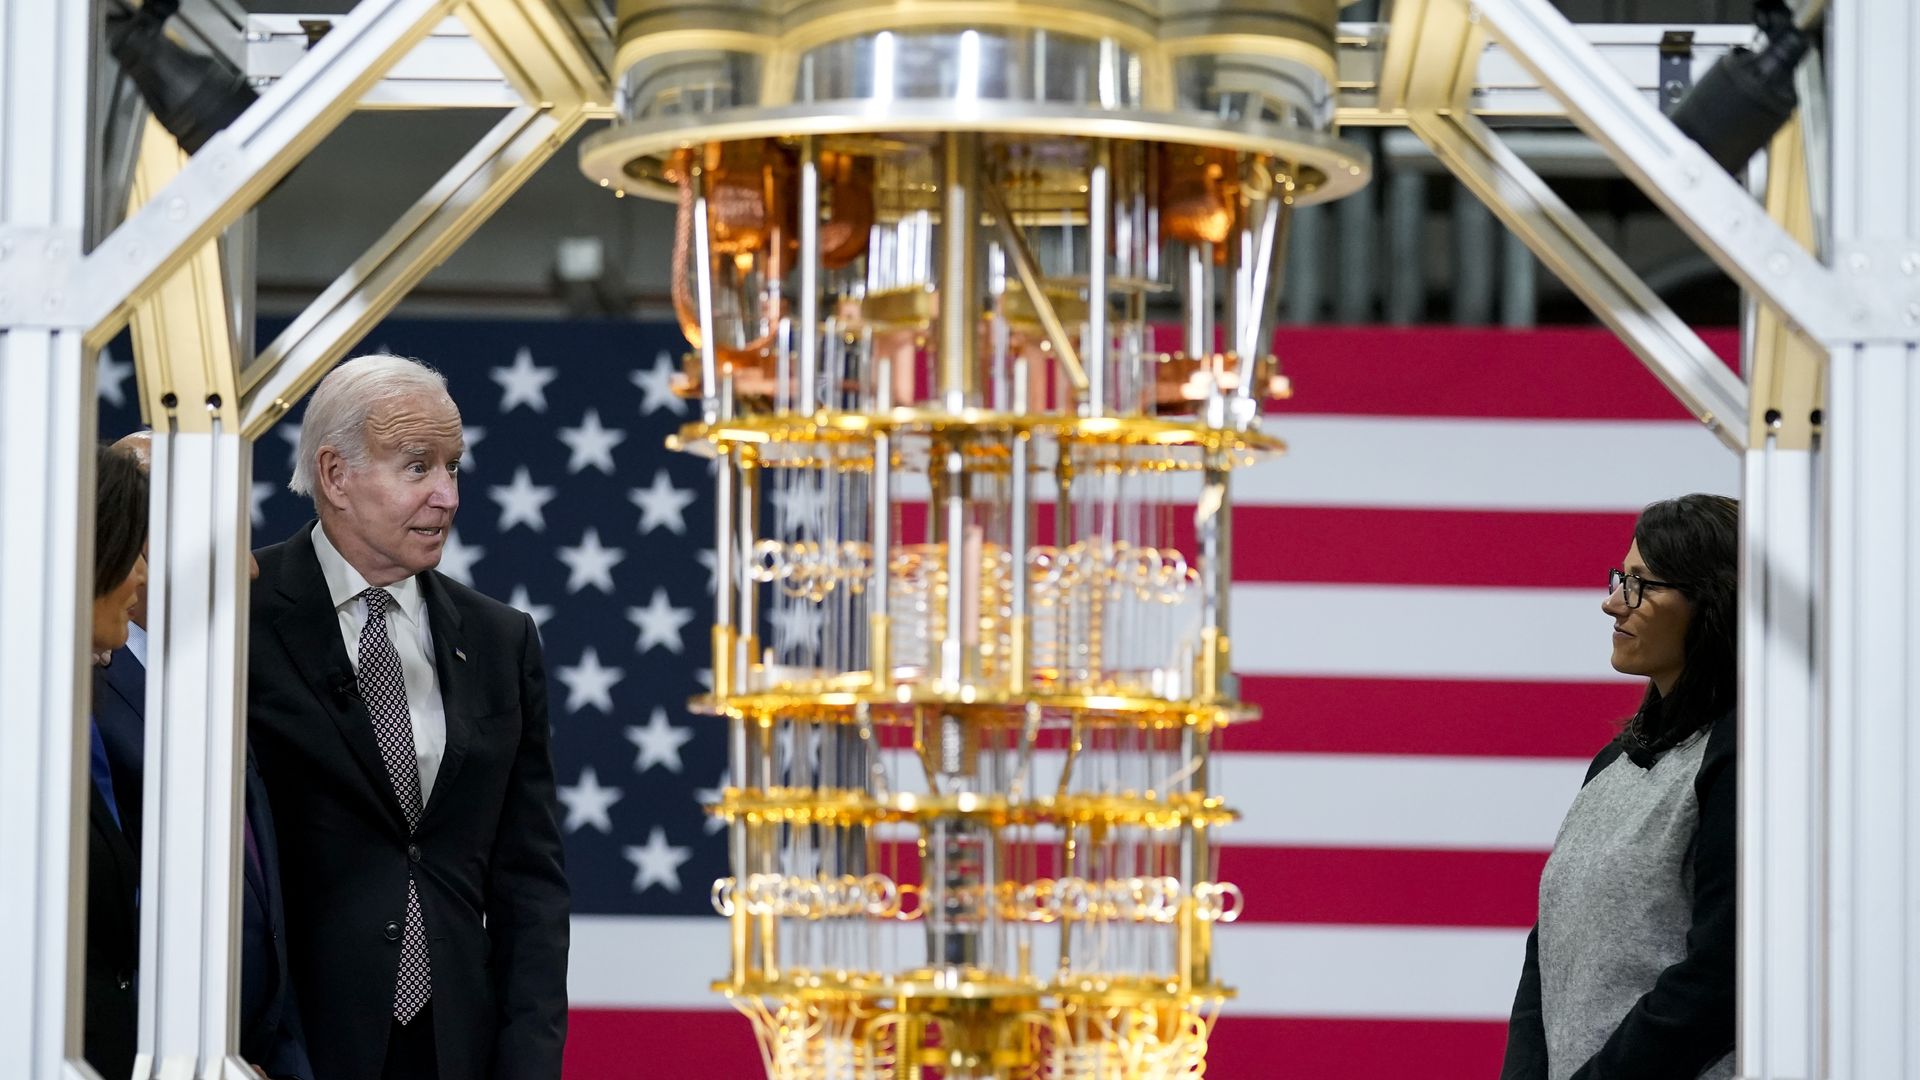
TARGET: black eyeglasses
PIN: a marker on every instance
(1636, 586)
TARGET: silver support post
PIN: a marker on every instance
(703, 296)
(47, 431)
(1094, 352)
(196, 688)
(809, 275)
(1780, 764)
(1870, 596)
(959, 270)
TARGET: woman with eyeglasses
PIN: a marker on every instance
(1630, 971)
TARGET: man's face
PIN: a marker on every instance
(390, 516)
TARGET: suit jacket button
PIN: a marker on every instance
(413, 852)
(393, 931)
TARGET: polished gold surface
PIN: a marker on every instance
(973, 529)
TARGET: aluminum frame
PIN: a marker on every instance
(1832, 608)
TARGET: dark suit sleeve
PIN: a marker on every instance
(1526, 1035)
(1686, 1021)
(527, 900)
(288, 1059)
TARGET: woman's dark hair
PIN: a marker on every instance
(1694, 541)
(119, 517)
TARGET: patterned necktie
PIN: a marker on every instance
(384, 690)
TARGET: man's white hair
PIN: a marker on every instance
(337, 415)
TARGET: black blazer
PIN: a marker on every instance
(486, 855)
(120, 711)
(113, 942)
(270, 1031)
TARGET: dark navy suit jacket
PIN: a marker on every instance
(271, 1035)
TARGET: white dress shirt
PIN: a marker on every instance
(137, 641)
(412, 636)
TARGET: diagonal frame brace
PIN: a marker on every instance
(1713, 208)
(554, 52)
(242, 163)
(1557, 236)
(442, 219)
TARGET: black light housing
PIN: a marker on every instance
(1745, 98)
(194, 97)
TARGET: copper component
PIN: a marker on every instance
(1198, 193)
(747, 218)
(849, 217)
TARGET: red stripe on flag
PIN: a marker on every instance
(1542, 374)
(1432, 716)
(1311, 1048)
(1448, 717)
(644, 1044)
(1350, 544)
(1374, 546)
(653, 1044)
(1379, 887)
(1330, 886)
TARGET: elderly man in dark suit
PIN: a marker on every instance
(270, 1032)
(401, 723)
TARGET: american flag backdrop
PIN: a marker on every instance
(1416, 609)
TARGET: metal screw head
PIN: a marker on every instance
(1778, 262)
(176, 208)
(1858, 262)
(1910, 263)
(1913, 314)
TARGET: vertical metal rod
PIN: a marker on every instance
(703, 297)
(1473, 253)
(1406, 229)
(1306, 247)
(809, 273)
(959, 269)
(1256, 325)
(749, 531)
(725, 676)
(1519, 282)
(1199, 301)
(879, 621)
(1019, 536)
(1094, 351)
(953, 648)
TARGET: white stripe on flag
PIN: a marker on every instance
(1359, 800)
(658, 962)
(1379, 801)
(1376, 972)
(1427, 463)
(1487, 464)
(1420, 631)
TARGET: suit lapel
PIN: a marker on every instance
(310, 630)
(450, 665)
